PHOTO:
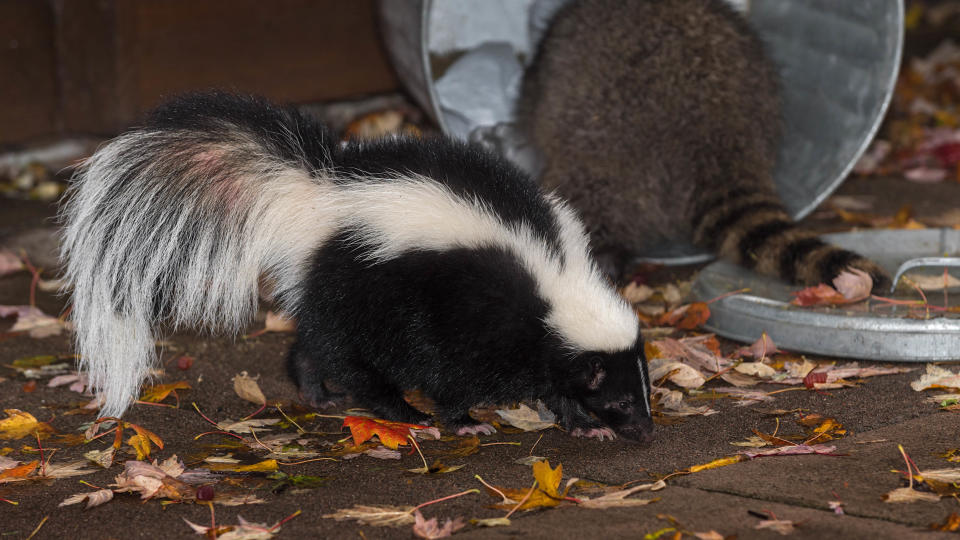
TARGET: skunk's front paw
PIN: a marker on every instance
(473, 429)
(322, 399)
(589, 433)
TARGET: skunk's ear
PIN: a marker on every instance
(595, 373)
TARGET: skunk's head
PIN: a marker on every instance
(615, 387)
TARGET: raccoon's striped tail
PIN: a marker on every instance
(177, 220)
(753, 229)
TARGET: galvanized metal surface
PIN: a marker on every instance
(839, 61)
(872, 330)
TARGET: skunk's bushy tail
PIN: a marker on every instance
(175, 222)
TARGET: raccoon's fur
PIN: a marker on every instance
(660, 122)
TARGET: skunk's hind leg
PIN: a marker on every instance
(310, 374)
(372, 391)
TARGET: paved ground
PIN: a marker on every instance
(878, 415)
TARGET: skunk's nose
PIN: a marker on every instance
(640, 431)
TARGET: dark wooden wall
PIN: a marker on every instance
(92, 66)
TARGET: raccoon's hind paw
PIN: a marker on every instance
(881, 279)
(600, 433)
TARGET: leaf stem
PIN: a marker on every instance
(441, 499)
(523, 500)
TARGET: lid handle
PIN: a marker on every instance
(920, 262)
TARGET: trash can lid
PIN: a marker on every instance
(870, 330)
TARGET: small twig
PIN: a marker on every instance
(88, 484)
(523, 500)
(8, 501)
(234, 435)
(791, 389)
(777, 428)
(255, 438)
(194, 403)
(213, 521)
(284, 520)
(535, 444)
(482, 481)
(35, 531)
(505, 443)
(167, 405)
(441, 499)
(307, 461)
(43, 464)
(413, 440)
(258, 411)
(724, 295)
(35, 272)
(907, 461)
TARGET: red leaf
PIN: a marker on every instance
(813, 378)
(686, 317)
(820, 295)
(391, 434)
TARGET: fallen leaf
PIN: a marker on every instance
(950, 524)
(545, 492)
(756, 369)
(20, 424)
(819, 295)
(686, 317)
(722, 462)
(936, 377)
(910, 495)
(391, 434)
(103, 458)
(93, 498)
(782, 526)
(491, 522)
(252, 425)
(78, 381)
(159, 392)
(761, 348)
(619, 498)
(33, 321)
(678, 373)
(634, 292)
(528, 419)
(382, 452)
(18, 473)
(377, 515)
(430, 529)
(247, 388)
(436, 468)
(930, 282)
(244, 531)
(10, 262)
(792, 450)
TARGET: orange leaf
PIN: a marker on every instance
(546, 492)
(19, 472)
(157, 393)
(686, 317)
(391, 434)
(820, 295)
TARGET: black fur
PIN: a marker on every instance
(464, 327)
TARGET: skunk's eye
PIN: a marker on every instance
(624, 404)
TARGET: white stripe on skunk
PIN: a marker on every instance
(178, 226)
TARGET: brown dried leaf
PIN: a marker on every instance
(93, 498)
(247, 388)
(430, 529)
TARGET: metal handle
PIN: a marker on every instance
(920, 262)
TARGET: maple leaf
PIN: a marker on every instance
(431, 529)
(391, 434)
(545, 493)
(159, 392)
(93, 498)
(950, 524)
(20, 424)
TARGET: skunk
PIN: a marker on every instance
(660, 122)
(409, 263)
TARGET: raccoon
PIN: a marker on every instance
(660, 121)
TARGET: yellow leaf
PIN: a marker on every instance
(157, 393)
(141, 445)
(266, 465)
(547, 478)
(21, 424)
(722, 462)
